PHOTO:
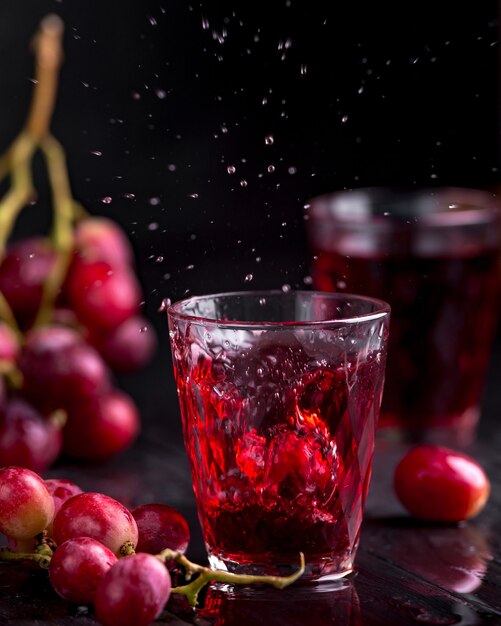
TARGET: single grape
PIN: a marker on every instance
(78, 566)
(9, 345)
(101, 239)
(128, 347)
(160, 526)
(133, 592)
(23, 272)
(101, 296)
(438, 484)
(60, 369)
(28, 439)
(101, 427)
(26, 507)
(61, 490)
(97, 516)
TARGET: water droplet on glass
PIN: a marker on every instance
(205, 23)
(271, 169)
(152, 20)
(154, 201)
(96, 152)
(360, 90)
(243, 183)
(231, 169)
(286, 288)
(344, 119)
(292, 170)
(248, 278)
(193, 195)
(107, 200)
(190, 267)
(262, 301)
(129, 196)
(159, 259)
(153, 226)
(269, 140)
(288, 43)
(224, 129)
(303, 69)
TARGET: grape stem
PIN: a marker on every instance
(16, 163)
(42, 557)
(206, 575)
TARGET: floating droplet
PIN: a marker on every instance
(341, 284)
(161, 94)
(243, 183)
(269, 140)
(136, 95)
(159, 259)
(193, 195)
(190, 267)
(152, 20)
(205, 23)
(96, 152)
(344, 119)
(286, 288)
(308, 280)
(107, 200)
(248, 278)
(154, 201)
(129, 196)
(171, 167)
(143, 329)
(164, 304)
(231, 169)
(292, 170)
(303, 69)
(262, 301)
(153, 226)
(271, 169)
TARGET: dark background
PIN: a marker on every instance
(158, 99)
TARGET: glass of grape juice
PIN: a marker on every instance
(434, 255)
(279, 396)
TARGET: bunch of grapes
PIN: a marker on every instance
(99, 553)
(58, 359)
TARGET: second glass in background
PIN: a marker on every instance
(434, 255)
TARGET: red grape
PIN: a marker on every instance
(101, 239)
(26, 438)
(9, 345)
(98, 516)
(101, 296)
(133, 592)
(59, 369)
(128, 347)
(26, 507)
(441, 485)
(78, 566)
(160, 526)
(61, 490)
(101, 427)
(23, 271)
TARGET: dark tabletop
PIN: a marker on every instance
(406, 572)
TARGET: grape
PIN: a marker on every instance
(98, 516)
(100, 239)
(26, 438)
(23, 271)
(128, 347)
(101, 427)
(160, 526)
(9, 345)
(61, 490)
(102, 297)
(78, 566)
(133, 592)
(441, 485)
(59, 369)
(26, 507)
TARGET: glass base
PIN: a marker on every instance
(317, 569)
(454, 431)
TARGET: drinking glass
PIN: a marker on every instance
(279, 396)
(434, 255)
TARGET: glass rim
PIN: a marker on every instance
(382, 310)
(474, 206)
